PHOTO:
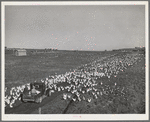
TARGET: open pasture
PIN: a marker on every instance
(110, 79)
(121, 94)
(20, 70)
(103, 92)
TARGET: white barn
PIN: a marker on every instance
(20, 52)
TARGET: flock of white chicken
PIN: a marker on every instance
(83, 80)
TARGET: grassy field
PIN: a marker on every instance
(131, 82)
(20, 70)
(122, 94)
(128, 95)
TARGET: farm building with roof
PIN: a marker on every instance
(20, 52)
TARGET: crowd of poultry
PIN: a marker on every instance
(84, 80)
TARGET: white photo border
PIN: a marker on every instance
(49, 117)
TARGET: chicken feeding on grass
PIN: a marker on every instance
(58, 89)
(83, 92)
(95, 96)
(69, 89)
(62, 88)
(69, 96)
(10, 105)
(51, 91)
(101, 93)
(17, 94)
(64, 96)
(89, 100)
(83, 98)
(7, 101)
(109, 68)
(74, 99)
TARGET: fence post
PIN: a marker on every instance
(39, 110)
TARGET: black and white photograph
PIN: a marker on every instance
(75, 60)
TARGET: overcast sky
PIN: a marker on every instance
(75, 27)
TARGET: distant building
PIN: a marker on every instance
(20, 52)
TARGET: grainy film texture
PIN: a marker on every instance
(73, 59)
